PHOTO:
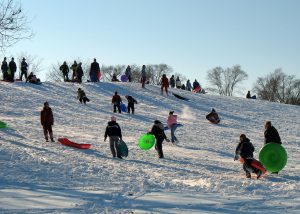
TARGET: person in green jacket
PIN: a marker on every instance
(81, 96)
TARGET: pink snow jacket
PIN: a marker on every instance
(172, 119)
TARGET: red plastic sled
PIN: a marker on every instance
(256, 164)
(196, 89)
(67, 142)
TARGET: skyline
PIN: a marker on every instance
(190, 36)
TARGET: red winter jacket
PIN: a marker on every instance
(164, 82)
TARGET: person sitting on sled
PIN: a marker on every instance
(213, 116)
(245, 150)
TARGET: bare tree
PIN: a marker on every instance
(154, 72)
(225, 81)
(13, 24)
(278, 87)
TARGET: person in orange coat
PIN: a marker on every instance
(47, 121)
(116, 101)
(164, 84)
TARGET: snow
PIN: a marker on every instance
(198, 175)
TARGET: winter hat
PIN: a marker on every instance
(46, 103)
(156, 122)
(113, 118)
(171, 112)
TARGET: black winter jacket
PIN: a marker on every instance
(113, 129)
(158, 131)
(272, 136)
(245, 149)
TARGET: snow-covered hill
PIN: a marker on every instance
(196, 176)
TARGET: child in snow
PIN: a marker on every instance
(113, 131)
(271, 134)
(245, 150)
(116, 101)
(159, 134)
(213, 116)
(47, 121)
(172, 124)
(81, 96)
(164, 84)
(131, 102)
(33, 79)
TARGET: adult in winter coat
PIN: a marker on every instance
(24, 69)
(74, 67)
(248, 96)
(116, 101)
(95, 69)
(159, 134)
(4, 69)
(65, 70)
(172, 124)
(47, 121)
(79, 73)
(164, 84)
(81, 96)
(113, 131)
(196, 84)
(128, 73)
(13, 68)
(271, 134)
(245, 150)
(143, 76)
(172, 81)
(188, 85)
(213, 116)
(131, 102)
(178, 83)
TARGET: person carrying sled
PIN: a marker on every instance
(131, 102)
(116, 101)
(65, 70)
(271, 134)
(213, 116)
(196, 85)
(81, 96)
(47, 121)
(24, 69)
(245, 150)
(172, 124)
(164, 84)
(113, 131)
(159, 134)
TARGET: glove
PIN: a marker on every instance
(167, 140)
(236, 157)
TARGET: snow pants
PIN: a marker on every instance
(158, 147)
(112, 143)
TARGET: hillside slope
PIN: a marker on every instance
(196, 176)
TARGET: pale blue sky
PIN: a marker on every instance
(192, 36)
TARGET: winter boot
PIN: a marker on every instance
(259, 173)
(248, 174)
(52, 140)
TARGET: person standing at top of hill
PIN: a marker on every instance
(188, 86)
(13, 69)
(113, 131)
(271, 134)
(47, 121)
(95, 69)
(159, 134)
(4, 68)
(248, 96)
(196, 85)
(116, 101)
(178, 83)
(74, 67)
(79, 73)
(143, 76)
(24, 69)
(245, 149)
(164, 82)
(131, 102)
(128, 73)
(172, 81)
(65, 70)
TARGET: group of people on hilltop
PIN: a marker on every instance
(77, 71)
(9, 70)
(176, 83)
